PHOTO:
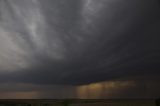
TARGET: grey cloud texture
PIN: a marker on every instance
(78, 42)
(135, 87)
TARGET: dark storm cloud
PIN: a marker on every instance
(78, 42)
(133, 87)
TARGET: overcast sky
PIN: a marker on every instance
(63, 43)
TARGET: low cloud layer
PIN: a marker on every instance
(135, 87)
(78, 42)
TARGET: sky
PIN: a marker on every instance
(53, 46)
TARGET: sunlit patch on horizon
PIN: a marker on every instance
(103, 89)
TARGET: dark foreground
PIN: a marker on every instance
(79, 102)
